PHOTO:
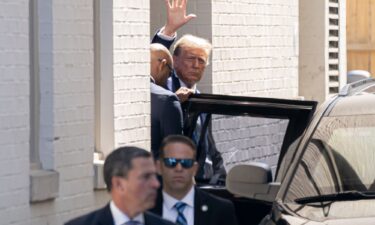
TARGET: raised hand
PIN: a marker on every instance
(176, 16)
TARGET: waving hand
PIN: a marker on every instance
(176, 16)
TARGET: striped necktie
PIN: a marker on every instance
(181, 220)
(133, 222)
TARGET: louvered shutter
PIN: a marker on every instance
(333, 47)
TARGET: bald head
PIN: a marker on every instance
(161, 62)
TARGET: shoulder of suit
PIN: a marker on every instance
(85, 219)
(149, 216)
(213, 199)
(99, 216)
(162, 93)
(158, 90)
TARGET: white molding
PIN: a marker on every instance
(104, 86)
(44, 185)
(99, 183)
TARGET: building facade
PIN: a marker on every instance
(75, 84)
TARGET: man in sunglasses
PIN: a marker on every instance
(180, 201)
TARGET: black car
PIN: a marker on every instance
(288, 164)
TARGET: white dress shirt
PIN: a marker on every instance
(182, 84)
(166, 37)
(121, 218)
(170, 212)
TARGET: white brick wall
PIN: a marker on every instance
(14, 112)
(66, 38)
(131, 72)
(255, 54)
(244, 139)
(255, 47)
(66, 51)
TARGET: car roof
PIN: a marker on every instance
(355, 99)
(354, 105)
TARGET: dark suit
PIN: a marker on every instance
(206, 147)
(166, 116)
(103, 216)
(157, 39)
(208, 209)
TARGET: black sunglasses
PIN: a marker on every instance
(172, 162)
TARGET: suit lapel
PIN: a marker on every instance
(201, 209)
(175, 82)
(149, 219)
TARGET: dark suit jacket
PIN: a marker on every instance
(157, 39)
(103, 216)
(166, 116)
(218, 211)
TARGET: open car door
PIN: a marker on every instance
(244, 130)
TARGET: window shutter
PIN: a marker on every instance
(333, 47)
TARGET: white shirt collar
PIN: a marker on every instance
(182, 84)
(166, 37)
(120, 218)
(170, 201)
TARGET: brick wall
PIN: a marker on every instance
(245, 139)
(14, 112)
(67, 107)
(255, 54)
(255, 47)
(66, 68)
(132, 72)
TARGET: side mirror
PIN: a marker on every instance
(253, 181)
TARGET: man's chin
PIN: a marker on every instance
(150, 203)
(150, 206)
(181, 188)
(190, 82)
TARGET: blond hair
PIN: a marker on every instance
(192, 41)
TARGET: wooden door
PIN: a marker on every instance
(361, 35)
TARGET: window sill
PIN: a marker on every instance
(44, 185)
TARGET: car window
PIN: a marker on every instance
(339, 158)
(244, 139)
(370, 89)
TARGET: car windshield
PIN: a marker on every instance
(336, 166)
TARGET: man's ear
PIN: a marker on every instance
(162, 64)
(117, 183)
